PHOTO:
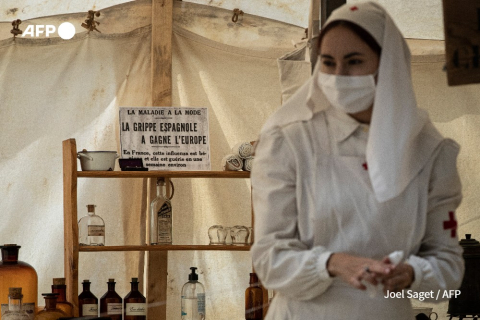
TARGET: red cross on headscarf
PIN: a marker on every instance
(354, 8)
(365, 166)
(451, 224)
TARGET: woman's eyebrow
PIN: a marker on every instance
(352, 54)
(326, 56)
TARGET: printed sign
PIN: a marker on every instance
(462, 40)
(166, 138)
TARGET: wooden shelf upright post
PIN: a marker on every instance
(70, 221)
(162, 29)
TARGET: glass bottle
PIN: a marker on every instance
(62, 303)
(50, 312)
(87, 302)
(134, 304)
(111, 303)
(18, 274)
(254, 299)
(161, 216)
(15, 308)
(193, 298)
(91, 229)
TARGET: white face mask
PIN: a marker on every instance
(350, 94)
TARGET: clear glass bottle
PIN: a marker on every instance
(111, 303)
(62, 303)
(87, 302)
(254, 299)
(91, 229)
(18, 274)
(161, 216)
(51, 312)
(15, 308)
(134, 304)
(193, 298)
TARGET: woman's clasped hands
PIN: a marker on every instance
(357, 271)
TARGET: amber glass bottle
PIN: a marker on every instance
(62, 303)
(254, 299)
(50, 312)
(134, 304)
(111, 303)
(87, 302)
(15, 273)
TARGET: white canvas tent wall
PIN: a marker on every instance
(52, 90)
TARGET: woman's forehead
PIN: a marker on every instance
(341, 39)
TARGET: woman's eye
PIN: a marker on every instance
(328, 63)
(355, 61)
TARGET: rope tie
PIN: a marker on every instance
(90, 23)
(236, 13)
(16, 31)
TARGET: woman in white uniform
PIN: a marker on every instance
(347, 172)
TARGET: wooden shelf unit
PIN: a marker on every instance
(71, 241)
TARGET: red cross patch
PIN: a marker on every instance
(365, 166)
(354, 8)
(451, 224)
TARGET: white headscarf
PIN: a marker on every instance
(395, 153)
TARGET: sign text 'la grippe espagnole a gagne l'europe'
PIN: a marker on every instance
(166, 138)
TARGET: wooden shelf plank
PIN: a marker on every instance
(164, 248)
(166, 174)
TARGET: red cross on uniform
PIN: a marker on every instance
(451, 224)
(354, 8)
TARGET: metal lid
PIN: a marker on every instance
(58, 281)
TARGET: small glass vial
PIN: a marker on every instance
(193, 298)
(134, 304)
(161, 216)
(111, 303)
(91, 229)
(87, 302)
(50, 312)
(15, 308)
(62, 303)
(254, 299)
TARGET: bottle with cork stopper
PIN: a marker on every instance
(91, 229)
(87, 302)
(111, 303)
(15, 308)
(62, 303)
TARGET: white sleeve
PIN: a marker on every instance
(439, 264)
(283, 262)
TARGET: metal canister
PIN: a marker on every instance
(468, 302)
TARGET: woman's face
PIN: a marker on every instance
(343, 52)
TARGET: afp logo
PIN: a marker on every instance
(65, 31)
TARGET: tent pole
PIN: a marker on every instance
(161, 84)
(313, 30)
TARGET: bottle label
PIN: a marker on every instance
(96, 231)
(136, 309)
(90, 309)
(165, 223)
(29, 308)
(201, 304)
(114, 308)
